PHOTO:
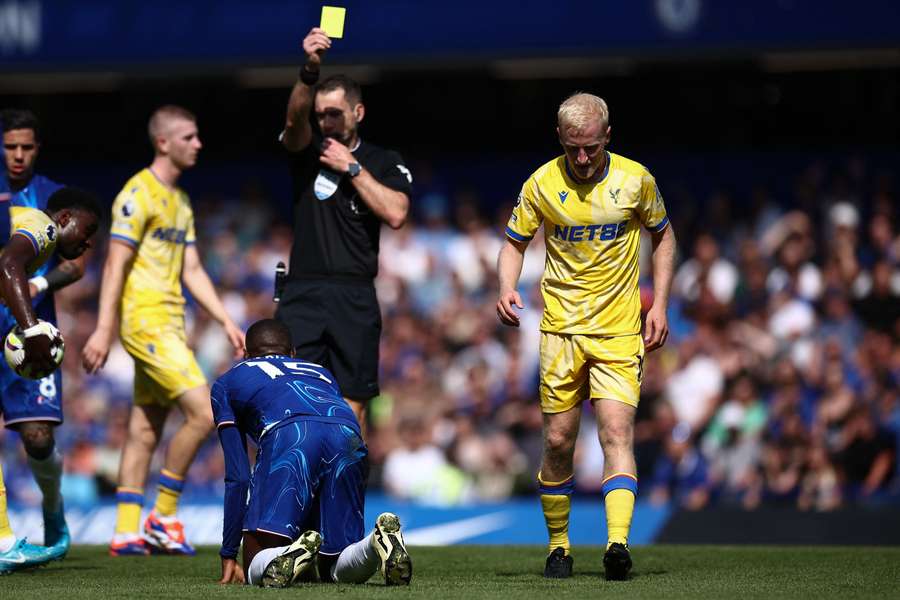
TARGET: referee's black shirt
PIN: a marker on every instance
(336, 234)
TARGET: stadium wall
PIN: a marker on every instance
(40, 34)
(520, 522)
(869, 527)
(514, 522)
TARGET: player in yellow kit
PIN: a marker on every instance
(592, 204)
(151, 252)
(29, 238)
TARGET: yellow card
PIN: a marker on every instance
(333, 21)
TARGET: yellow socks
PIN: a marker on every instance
(619, 491)
(130, 501)
(128, 510)
(5, 530)
(556, 503)
(170, 486)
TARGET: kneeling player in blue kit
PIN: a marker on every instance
(306, 492)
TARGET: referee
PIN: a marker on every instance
(344, 188)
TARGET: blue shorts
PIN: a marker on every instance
(27, 399)
(309, 475)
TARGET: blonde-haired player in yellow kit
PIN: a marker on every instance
(592, 204)
(151, 252)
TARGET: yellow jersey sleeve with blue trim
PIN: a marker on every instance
(592, 237)
(651, 208)
(130, 213)
(39, 229)
(526, 217)
(157, 221)
(191, 236)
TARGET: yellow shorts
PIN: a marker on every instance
(164, 366)
(614, 366)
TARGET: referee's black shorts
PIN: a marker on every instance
(336, 324)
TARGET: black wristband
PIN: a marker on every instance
(58, 278)
(309, 76)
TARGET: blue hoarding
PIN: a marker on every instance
(95, 34)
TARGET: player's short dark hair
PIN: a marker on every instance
(20, 118)
(268, 335)
(76, 199)
(352, 90)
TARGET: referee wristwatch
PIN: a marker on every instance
(353, 169)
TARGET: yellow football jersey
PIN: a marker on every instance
(40, 230)
(158, 222)
(592, 233)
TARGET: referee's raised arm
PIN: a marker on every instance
(297, 130)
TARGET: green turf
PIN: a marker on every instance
(474, 572)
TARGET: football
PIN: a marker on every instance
(14, 351)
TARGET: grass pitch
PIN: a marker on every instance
(475, 572)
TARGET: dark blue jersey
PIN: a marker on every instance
(255, 397)
(260, 393)
(5, 217)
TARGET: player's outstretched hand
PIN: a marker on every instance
(505, 309)
(315, 44)
(231, 572)
(235, 338)
(656, 329)
(95, 352)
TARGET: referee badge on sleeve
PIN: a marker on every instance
(326, 184)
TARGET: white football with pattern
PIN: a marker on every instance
(14, 350)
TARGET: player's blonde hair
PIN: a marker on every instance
(579, 109)
(162, 116)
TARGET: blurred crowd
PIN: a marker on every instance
(778, 385)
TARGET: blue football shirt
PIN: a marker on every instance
(261, 393)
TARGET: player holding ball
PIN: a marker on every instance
(31, 237)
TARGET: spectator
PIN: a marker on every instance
(680, 474)
(418, 469)
(733, 442)
(865, 455)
